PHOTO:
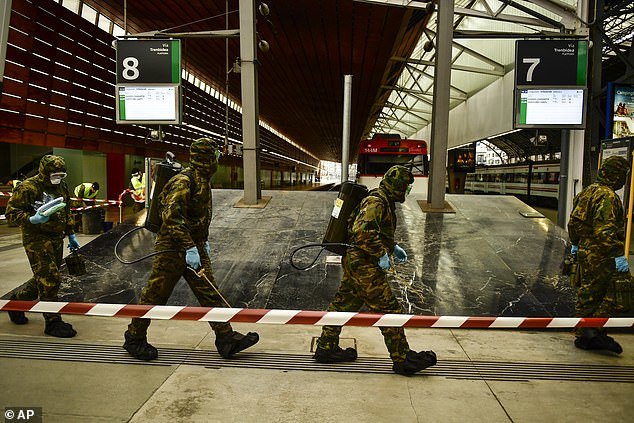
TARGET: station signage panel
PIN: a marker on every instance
(148, 80)
(148, 62)
(151, 104)
(560, 107)
(551, 63)
(550, 83)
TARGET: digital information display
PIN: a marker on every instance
(543, 108)
(148, 104)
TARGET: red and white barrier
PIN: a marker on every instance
(98, 203)
(92, 200)
(316, 318)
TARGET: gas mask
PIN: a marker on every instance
(57, 177)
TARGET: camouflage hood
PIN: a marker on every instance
(202, 156)
(50, 164)
(613, 172)
(395, 182)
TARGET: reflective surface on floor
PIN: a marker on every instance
(486, 259)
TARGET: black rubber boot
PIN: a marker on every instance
(605, 342)
(414, 362)
(586, 341)
(17, 317)
(139, 347)
(59, 329)
(337, 355)
(234, 342)
(593, 339)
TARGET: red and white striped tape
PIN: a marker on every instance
(96, 206)
(105, 203)
(317, 318)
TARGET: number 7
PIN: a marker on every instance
(531, 68)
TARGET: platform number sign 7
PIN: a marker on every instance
(549, 63)
(534, 61)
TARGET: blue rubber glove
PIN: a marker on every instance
(400, 254)
(193, 258)
(72, 242)
(384, 262)
(43, 212)
(38, 218)
(574, 249)
(621, 264)
(207, 248)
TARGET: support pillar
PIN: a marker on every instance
(250, 115)
(440, 108)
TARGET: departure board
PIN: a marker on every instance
(539, 108)
(152, 104)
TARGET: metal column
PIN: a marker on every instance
(345, 139)
(440, 108)
(572, 153)
(250, 116)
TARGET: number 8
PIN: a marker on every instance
(130, 70)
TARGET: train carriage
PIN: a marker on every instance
(383, 151)
(527, 180)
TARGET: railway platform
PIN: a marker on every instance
(484, 260)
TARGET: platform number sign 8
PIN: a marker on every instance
(148, 62)
(130, 68)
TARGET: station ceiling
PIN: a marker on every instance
(313, 44)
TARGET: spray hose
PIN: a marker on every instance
(324, 246)
(116, 248)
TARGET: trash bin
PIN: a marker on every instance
(91, 222)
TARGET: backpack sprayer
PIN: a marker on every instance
(347, 202)
(344, 211)
(163, 172)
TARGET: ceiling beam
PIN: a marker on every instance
(522, 20)
(424, 4)
(495, 72)
(462, 96)
(397, 107)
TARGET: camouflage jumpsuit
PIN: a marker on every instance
(186, 209)
(364, 282)
(44, 242)
(597, 227)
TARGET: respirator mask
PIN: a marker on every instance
(57, 177)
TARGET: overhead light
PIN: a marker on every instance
(264, 10)
(263, 45)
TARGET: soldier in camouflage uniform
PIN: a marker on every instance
(43, 231)
(597, 232)
(364, 282)
(186, 215)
